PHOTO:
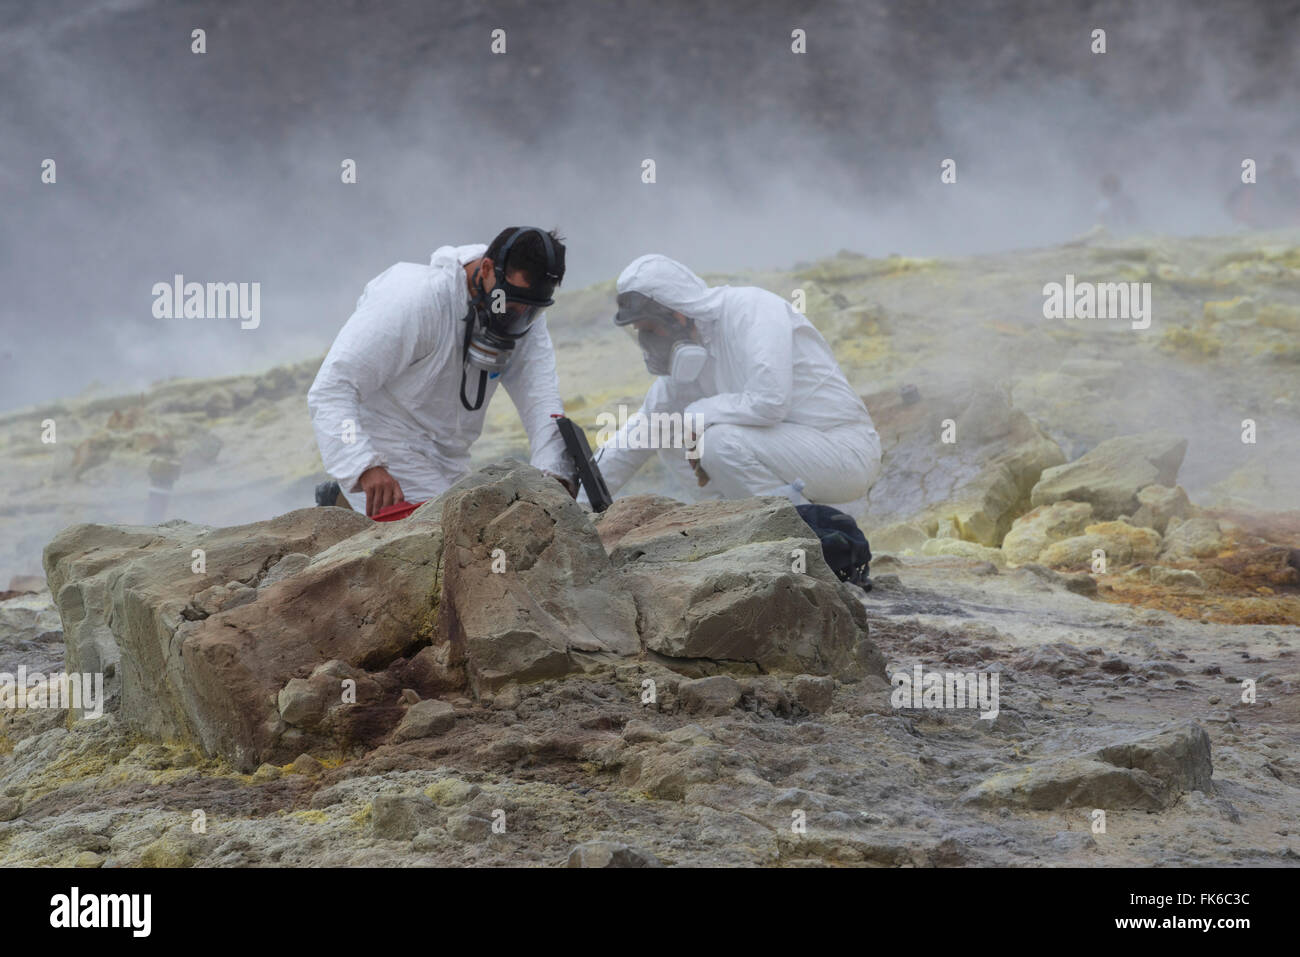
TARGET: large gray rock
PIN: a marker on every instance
(554, 597)
(30, 633)
(717, 581)
(207, 655)
(747, 607)
(1178, 756)
(971, 488)
(1192, 538)
(306, 634)
(1158, 505)
(425, 719)
(1111, 475)
(691, 532)
(717, 694)
(1147, 772)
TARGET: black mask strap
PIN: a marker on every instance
(464, 369)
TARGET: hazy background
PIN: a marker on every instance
(226, 166)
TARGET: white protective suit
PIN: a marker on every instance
(772, 401)
(394, 372)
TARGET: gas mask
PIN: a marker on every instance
(667, 348)
(497, 321)
(681, 359)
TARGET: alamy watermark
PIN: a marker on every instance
(947, 690)
(214, 300)
(657, 430)
(81, 691)
(1105, 300)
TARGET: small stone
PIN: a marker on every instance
(300, 702)
(637, 731)
(424, 719)
(451, 791)
(399, 817)
(469, 827)
(714, 695)
(1158, 504)
(610, 854)
(88, 859)
(10, 808)
(1067, 841)
(424, 841)
(266, 772)
(814, 693)
(508, 698)
(1175, 577)
(409, 696)
(306, 764)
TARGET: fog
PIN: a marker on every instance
(225, 166)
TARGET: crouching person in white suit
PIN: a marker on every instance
(405, 388)
(764, 404)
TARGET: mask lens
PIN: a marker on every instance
(656, 350)
(518, 318)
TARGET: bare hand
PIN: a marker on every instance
(381, 489)
(701, 476)
(569, 486)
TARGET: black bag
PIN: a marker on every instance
(844, 546)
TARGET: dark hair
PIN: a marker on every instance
(529, 254)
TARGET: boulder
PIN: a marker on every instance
(714, 695)
(1110, 476)
(896, 537)
(319, 631)
(528, 589)
(1032, 532)
(629, 512)
(1122, 543)
(717, 581)
(957, 548)
(1147, 772)
(399, 817)
(975, 485)
(1157, 504)
(747, 607)
(691, 532)
(813, 692)
(207, 664)
(1179, 756)
(425, 719)
(1192, 538)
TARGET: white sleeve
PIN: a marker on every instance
(395, 323)
(617, 462)
(766, 339)
(534, 388)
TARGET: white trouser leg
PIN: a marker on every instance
(836, 465)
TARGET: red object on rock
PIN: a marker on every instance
(395, 512)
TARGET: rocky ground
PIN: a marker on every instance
(1121, 588)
